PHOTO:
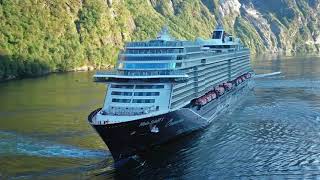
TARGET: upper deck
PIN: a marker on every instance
(159, 44)
(157, 76)
(165, 58)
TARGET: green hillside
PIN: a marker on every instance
(42, 36)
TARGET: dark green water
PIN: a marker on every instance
(273, 133)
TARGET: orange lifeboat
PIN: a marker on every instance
(201, 101)
(238, 81)
(204, 100)
(227, 86)
(213, 95)
(248, 75)
(219, 90)
(208, 97)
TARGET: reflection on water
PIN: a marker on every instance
(273, 133)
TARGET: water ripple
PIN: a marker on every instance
(12, 143)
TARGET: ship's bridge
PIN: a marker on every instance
(221, 41)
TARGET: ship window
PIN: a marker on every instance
(121, 93)
(147, 66)
(143, 100)
(193, 49)
(121, 100)
(153, 51)
(149, 86)
(147, 93)
(146, 58)
(216, 35)
(122, 86)
(178, 65)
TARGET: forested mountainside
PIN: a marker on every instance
(42, 36)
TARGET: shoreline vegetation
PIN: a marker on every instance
(15, 68)
(41, 37)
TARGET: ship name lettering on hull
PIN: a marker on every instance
(155, 121)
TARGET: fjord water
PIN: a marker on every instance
(274, 132)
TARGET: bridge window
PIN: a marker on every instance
(216, 35)
(149, 86)
(143, 100)
(147, 93)
(122, 86)
(117, 93)
(121, 100)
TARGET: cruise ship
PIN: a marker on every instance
(165, 88)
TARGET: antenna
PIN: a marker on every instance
(221, 14)
(164, 33)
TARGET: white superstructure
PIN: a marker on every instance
(158, 76)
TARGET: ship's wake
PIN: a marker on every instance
(267, 75)
(15, 144)
(282, 83)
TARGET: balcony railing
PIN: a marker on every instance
(141, 73)
(157, 43)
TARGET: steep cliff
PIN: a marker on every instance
(42, 36)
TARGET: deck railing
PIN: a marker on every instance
(141, 73)
(157, 43)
